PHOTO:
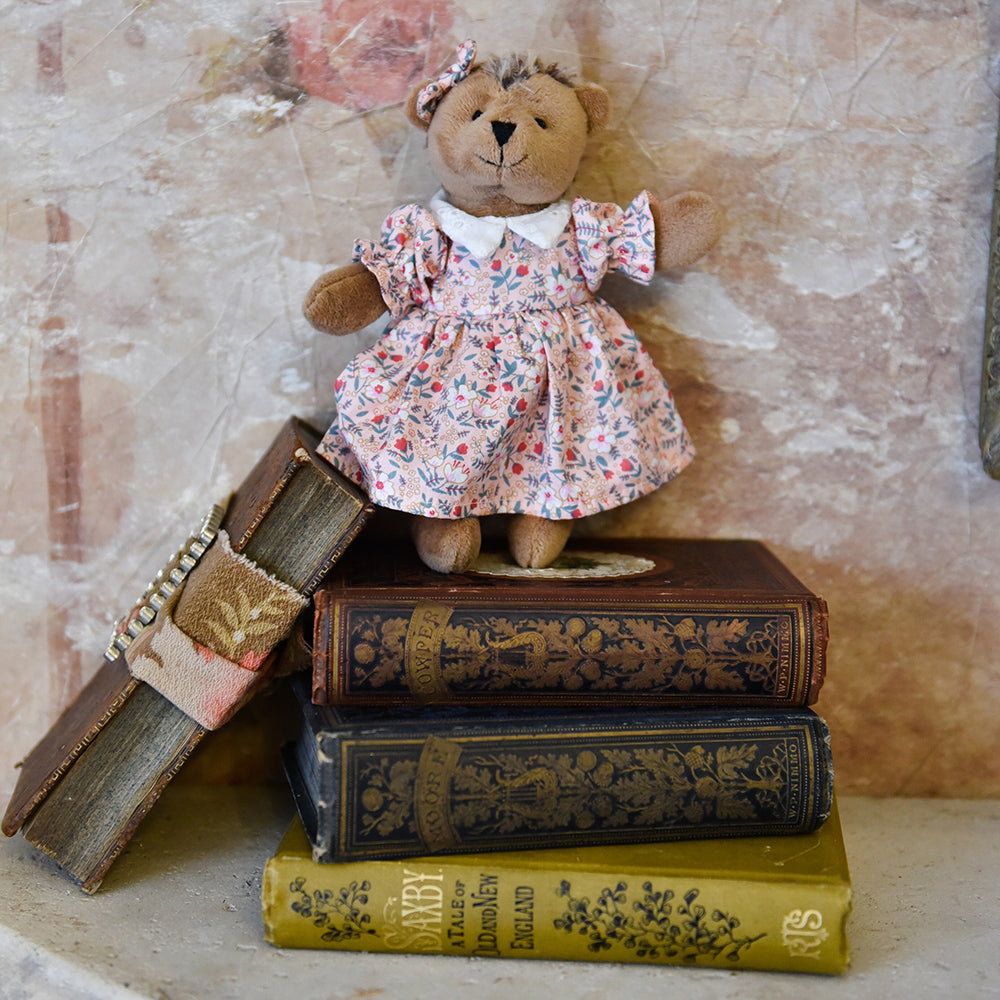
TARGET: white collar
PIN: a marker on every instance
(482, 236)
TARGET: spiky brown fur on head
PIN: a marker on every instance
(508, 138)
(516, 68)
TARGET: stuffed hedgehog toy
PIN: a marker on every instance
(503, 385)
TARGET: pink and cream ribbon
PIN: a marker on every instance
(209, 647)
(433, 92)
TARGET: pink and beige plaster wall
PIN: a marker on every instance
(173, 176)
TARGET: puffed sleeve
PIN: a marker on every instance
(409, 255)
(615, 239)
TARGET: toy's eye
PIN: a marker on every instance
(541, 123)
(476, 114)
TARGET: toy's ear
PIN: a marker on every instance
(411, 108)
(596, 103)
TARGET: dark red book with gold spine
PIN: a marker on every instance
(651, 623)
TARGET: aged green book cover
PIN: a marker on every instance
(777, 903)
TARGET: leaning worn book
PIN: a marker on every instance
(778, 903)
(649, 623)
(388, 783)
(196, 647)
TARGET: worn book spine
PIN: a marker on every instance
(87, 785)
(740, 651)
(567, 905)
(91, 813)
(651, 623)
(83, 719)
(450, 782)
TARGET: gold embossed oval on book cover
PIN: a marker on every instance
(431, 794)
(422, 651)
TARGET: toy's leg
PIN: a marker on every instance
(536, 541)
(447, 546)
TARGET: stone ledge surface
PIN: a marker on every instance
(178, 918)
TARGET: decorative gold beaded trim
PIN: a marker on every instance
(165, 583)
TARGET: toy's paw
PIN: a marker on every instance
(344, 301)
(687, 227)
(535, 542)
(447, 546)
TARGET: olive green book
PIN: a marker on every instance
(771, 902)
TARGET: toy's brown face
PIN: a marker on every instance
(504, 152)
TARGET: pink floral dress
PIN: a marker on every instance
(502, 384)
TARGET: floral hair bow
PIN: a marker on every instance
(431, 95)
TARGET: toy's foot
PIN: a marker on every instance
(447, 546)
(535, 542)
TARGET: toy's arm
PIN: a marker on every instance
(687, 227)
(344, 300)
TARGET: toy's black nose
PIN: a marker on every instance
(503, 131)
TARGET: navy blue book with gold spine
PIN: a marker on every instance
(409, 782)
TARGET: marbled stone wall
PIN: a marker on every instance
(173, 176)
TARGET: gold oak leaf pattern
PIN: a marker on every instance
(245, 623)
(656, 652)
(234, 608)
(667, 787)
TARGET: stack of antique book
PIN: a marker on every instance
(613, 758)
